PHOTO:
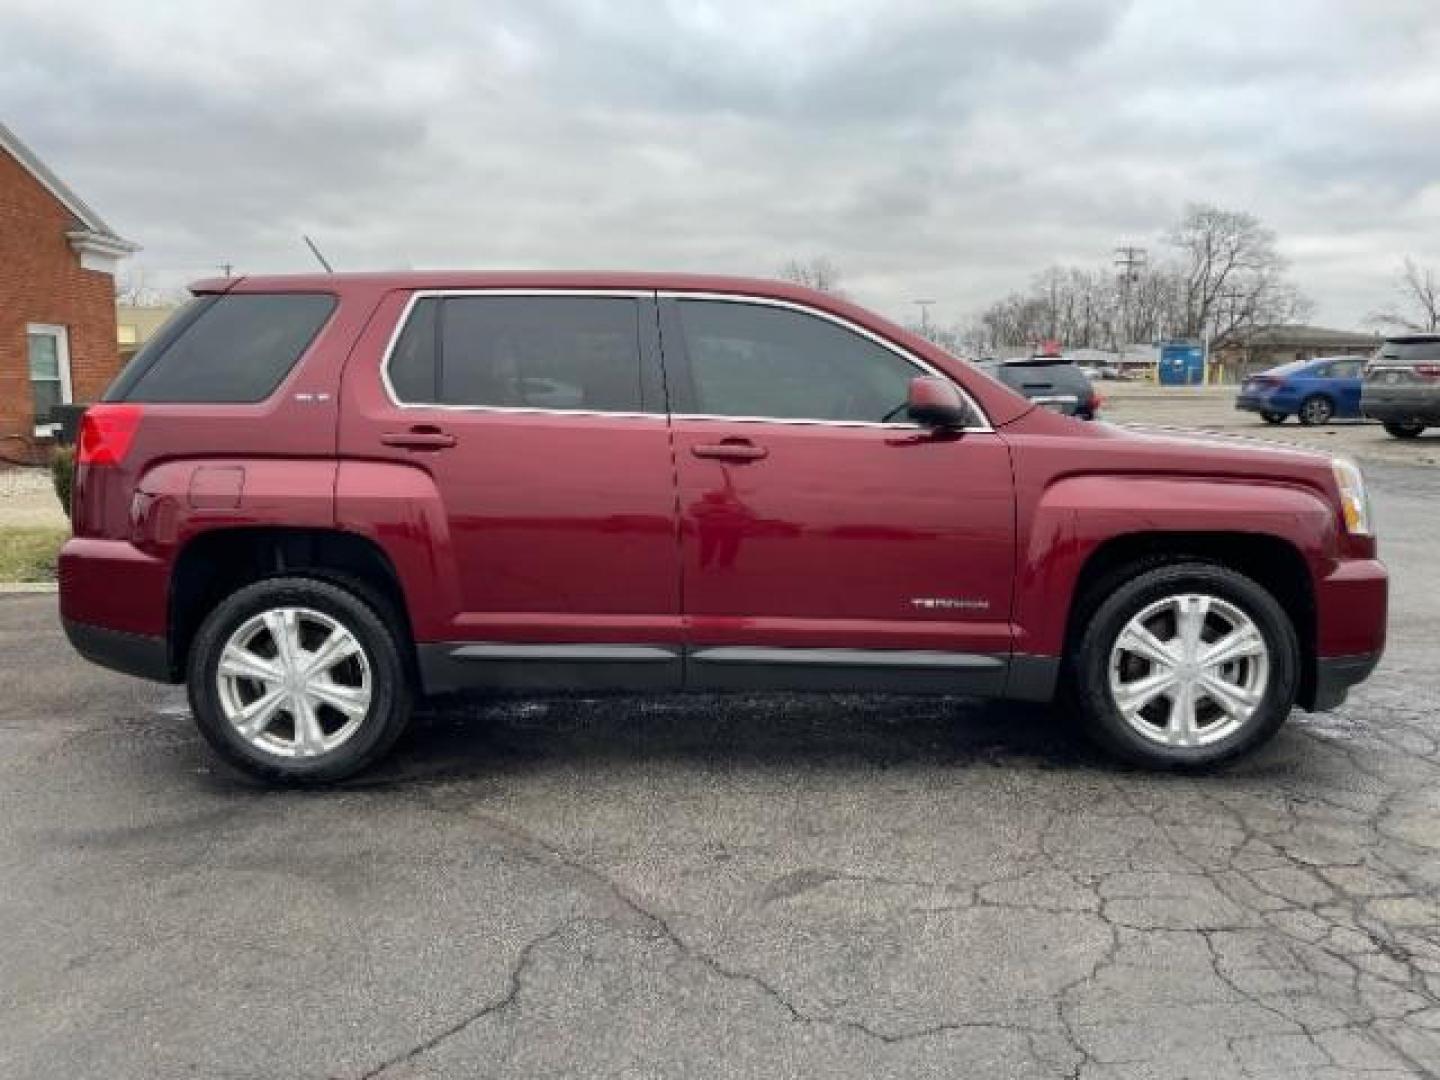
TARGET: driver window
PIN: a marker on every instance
(753, 360)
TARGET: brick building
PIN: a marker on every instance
(57, 300)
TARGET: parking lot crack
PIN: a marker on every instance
(514, 984)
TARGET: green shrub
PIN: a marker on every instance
(62, 472)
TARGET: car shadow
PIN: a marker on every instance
(458, 739)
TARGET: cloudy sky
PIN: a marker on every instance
(945, 150)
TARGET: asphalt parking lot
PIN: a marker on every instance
(725, 887)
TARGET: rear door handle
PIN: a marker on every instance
(730, 450)
(422, 437)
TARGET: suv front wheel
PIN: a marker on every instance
(297, 680)
(1186, 665)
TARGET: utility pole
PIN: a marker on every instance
(228, 269)
(1129, 261)
(924, 306)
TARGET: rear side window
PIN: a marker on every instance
(566, 353)
(1410, 352)
(225, 349)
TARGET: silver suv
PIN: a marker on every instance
(1402, 385)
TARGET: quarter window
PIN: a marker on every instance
(234, 348)
(753, 360)
(567, 353)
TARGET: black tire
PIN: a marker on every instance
(1131, 594)
(1404, 431)
(383, 722)
(1315, 410)
(1273, 417)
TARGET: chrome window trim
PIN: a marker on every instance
(662, 294)
(844, 323)
(531, 410)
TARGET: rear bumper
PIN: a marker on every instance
(1335, 675)
(115, 585)
(140, 655)
(1273, 401)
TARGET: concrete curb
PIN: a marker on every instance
(22, 587)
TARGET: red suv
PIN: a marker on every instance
(313, 498)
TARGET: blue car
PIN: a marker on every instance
(1317, 391)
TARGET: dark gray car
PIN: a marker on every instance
(1052, 381)
(1402, 385)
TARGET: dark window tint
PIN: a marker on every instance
(225, 349)
(412, 364)
(1410, 352)
(754, 360)
(540, 352)
(1044, 378)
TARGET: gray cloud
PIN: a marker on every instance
(938, 149)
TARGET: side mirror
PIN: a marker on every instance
(936, 403)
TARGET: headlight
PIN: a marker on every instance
(1354, 502)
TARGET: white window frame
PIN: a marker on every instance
(61, 335)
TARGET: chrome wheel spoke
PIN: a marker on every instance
(1131, 697)
(335, 649)
(350, 700)
(1182, 727)
(253, 719)
(1190, 615)
(309, 736)
(284, 627)
(1140, 641)
(1236, 701)
(238, 662)
(1237, 645)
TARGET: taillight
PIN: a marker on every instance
(1095, 402)
(106, 432)
(1265, 380)
(1427, 371)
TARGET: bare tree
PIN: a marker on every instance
(132, 290)
(1233, 276)
(817, 272)
(1419, 307)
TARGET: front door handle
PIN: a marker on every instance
(730, 450)
(420, 437)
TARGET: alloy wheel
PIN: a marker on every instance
(294, 682)
(1189, 670)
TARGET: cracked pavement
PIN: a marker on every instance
(832, 886)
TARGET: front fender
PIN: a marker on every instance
(1076, 515)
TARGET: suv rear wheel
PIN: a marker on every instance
(297, 680)
(1404, 431)
(1186, 665)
